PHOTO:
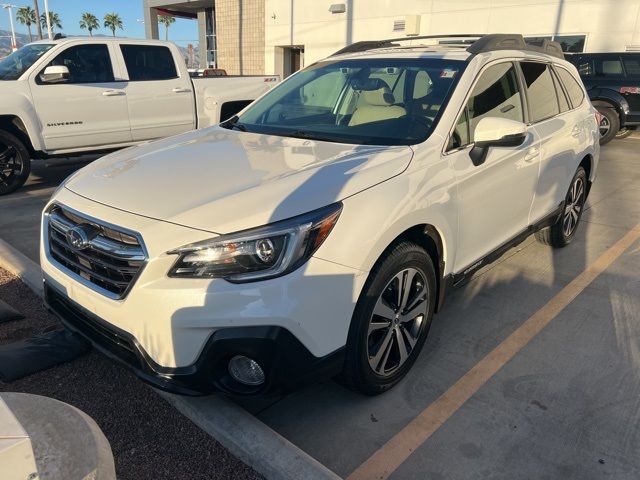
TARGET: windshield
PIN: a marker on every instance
(13, 66)
(365, 101)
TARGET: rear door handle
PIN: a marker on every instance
(531, 154)
(181, 90)
(113, 93)
(575, 131)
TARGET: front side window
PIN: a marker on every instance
(571, 85)
(496, 94)
(541, 92)
(13, 66)
(89, 63)
(367, 101)
(148, 62)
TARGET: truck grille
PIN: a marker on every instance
(104, 257)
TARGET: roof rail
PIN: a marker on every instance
(484, 43)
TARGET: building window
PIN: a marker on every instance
(210, 37)
(569, 43)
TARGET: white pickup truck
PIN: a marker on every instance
(84, 95)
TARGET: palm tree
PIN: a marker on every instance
(166, 20)
(36, 9)
(89, 22)
(54, 19)
(26, 16)
(112, 21)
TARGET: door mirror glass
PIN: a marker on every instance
(496, 132)
(55, 74)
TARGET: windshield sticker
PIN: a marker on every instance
(448, 73)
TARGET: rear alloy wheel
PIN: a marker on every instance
(562, 232)
(15, 163)
(624, 132)
(609, 124)
(391, 320)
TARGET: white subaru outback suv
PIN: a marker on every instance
(317, 232)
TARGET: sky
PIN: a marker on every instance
(182, 32)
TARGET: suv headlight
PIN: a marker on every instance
(259, 253)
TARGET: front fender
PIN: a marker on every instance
(17, 105)
(611, 96)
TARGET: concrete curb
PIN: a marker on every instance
(22, 267)
(260, 447)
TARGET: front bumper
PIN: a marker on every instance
(287, 363)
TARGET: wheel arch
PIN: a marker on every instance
(431, 239)
(14, 125)
(587, 164)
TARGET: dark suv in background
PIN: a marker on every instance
(613, 83)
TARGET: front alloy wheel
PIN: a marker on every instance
(397, 321)
(391, 320)
(15, 164)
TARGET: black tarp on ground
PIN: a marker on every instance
(8, 313)
(39, 352)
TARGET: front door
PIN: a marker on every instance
(89, 109)
(160, 101)
(494, 198)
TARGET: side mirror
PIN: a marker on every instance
(55, 74)
(496, 132)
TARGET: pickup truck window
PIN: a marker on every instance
(14, 65)
(148, 62)
(357, 101)
(90, 63)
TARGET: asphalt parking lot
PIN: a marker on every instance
(532, 370)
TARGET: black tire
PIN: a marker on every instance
(610, 121)
(358, 372)
(557, 235)
(15, 163)
(624, 132)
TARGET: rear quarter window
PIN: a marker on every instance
(571, 85)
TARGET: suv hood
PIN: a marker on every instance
(223, 181)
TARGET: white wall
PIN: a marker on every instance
(610, 25)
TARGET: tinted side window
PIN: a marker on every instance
(541, 92)
(86, 63)
(609, 66)
(148, 62)
(496, 94)
(631, 65)
(562, 98)
(571, 85)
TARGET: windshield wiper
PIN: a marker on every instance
(233, 123)
(309, 136)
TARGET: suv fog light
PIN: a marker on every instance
(246, 370)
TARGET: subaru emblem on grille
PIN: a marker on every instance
(80, 237)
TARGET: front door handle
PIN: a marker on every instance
(181, 90)
(113, 93)
(532, 154)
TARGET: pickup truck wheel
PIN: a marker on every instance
(561, 233)
(391, 320)
(15, 163)
(609, 125)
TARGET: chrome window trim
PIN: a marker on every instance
(83, 281)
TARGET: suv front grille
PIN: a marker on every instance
(104, 257)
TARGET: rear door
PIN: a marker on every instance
(87, 110)
(557, 127)
(160, 100)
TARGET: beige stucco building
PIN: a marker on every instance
(280, 36)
